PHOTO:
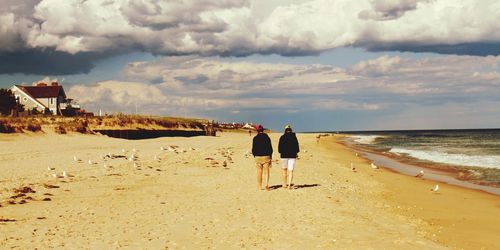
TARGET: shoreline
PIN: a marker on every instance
(407, 167)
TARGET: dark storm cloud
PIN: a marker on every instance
(46, 62)
(474, 49)
(67, 36)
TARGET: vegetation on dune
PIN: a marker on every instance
(63, 125)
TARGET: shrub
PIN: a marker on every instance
(6, 128)
(33, 127)
(59, 129)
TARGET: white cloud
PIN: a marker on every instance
(244, 27)
(389, 86)
(193, 83)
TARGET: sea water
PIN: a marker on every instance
(477, 149)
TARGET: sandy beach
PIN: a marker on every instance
(176, 197)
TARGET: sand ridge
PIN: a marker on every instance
(184, 201)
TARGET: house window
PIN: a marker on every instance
(51, 101)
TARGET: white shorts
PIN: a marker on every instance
(288, 163)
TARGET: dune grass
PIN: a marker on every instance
(63, 125)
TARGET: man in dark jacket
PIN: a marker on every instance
(288, 148)
(262, 150)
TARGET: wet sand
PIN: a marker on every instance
(181, 200)
(439, 175)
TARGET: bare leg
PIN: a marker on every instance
(259, 177)
(290, 178)
(284, 176)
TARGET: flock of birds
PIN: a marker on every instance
(133, 157)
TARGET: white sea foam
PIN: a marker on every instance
(365, 139)
(485, 161)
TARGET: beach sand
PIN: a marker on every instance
(183, 201)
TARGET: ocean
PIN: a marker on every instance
(474, 151)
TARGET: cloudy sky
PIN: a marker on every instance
(316, 64)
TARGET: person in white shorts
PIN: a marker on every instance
(288, 148)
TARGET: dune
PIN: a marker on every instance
(202, 193)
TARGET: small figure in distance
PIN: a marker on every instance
(288, 147)
(262, 151)
(249, 132)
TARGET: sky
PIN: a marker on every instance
(319, 65)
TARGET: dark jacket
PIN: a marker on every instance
(288, 146)
(262, 145)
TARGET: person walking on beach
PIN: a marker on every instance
(288, 148)
(262, 151)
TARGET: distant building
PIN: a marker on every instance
(42, 97)
(248, 126)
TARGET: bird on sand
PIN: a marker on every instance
(76, 159)
(65, 174)
(435, 189)
(374, 166)
(50, 168)
(420, 174)
(352, 167)
(91, 162)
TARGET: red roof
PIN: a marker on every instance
(43, 91)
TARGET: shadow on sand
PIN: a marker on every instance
(294, 186)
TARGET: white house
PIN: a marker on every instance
(247, 126)
(41, 97)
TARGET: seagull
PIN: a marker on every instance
(170, 148)
(352, 167)
(356, 154)
(374, 166)
(65, 174)
(91, 162)
(76, 159)
(420, 174)
(157, 158)
(435, 189)
(135, 165)
(162, 148)
(55, 176)
(132, 157)
(50, 168)
(191, 149)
